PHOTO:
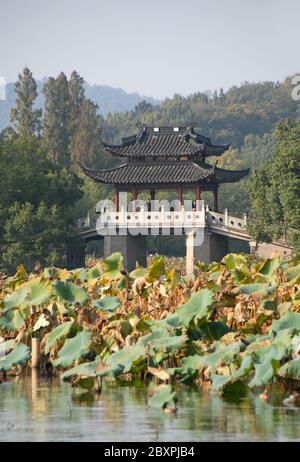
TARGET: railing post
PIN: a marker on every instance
(162, 215)
(226, 217)
(189, 245)
(245, 219)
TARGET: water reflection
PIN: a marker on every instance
(37, 409)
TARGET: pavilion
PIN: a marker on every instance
(165, 158)
(160, 158)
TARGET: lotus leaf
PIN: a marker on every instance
(164, 397)
(113, 265)
(196, 308)
(74, 348)
(70, 292)
(107, 303)
(58, 333)
(19, 355)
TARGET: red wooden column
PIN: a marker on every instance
(216, 200)
(198, 195)
(116, 198)
(180, 194)
(134, 194)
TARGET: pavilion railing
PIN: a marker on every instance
(163, 219)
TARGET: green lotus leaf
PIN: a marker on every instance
(70, 292)
(290, 370)
(172, 278)
(94, 272)
(192, 362)
(138, 273)
(16, 298)
(264, 373)
(219, 381)
(107, 303)
(12, 321)
(267, 359)
(234, 260)
(214, 276)
(58, 333)
(157, 269)
(19, 355)
(74, 348)
(89, 369)
(293, 273)
(39, 292)
(123, 360)
(125, 328)
(241, 275)
(214, 330)
(269, 267)
(245, 368)
(6, 347)
(20, 276)
(196, 309)
(224, 353)
(250, 339)
(160, 339)
(113, 265)
(164, 397)
(260, 289)
(290, 320)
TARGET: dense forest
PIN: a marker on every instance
(42, 188)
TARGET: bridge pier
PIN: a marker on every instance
(213, 248)
(133, 249)
(76, 255)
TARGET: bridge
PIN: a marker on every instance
(206, 233)
(126, 231)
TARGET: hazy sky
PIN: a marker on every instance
(155, 47)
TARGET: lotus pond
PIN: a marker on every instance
(160, 339)
(39, 409)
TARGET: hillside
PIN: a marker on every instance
(108, 99)
(227, 117)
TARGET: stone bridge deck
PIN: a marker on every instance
(182, 221)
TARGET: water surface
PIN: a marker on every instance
(39, 409)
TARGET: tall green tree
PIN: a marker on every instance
(275, 189)
(56, 121)
(77, 97)
(85, 143)
(25, 118)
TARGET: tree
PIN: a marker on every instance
(33, 235)
(36, 201)
(275, 189)
(77, 97)
(56, 122)
(85, 142)
(25, 118)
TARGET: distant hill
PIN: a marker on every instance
(108, 99)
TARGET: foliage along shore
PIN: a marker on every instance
(234, 327)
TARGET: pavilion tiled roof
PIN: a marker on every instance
(166, 142)
(164, 173)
